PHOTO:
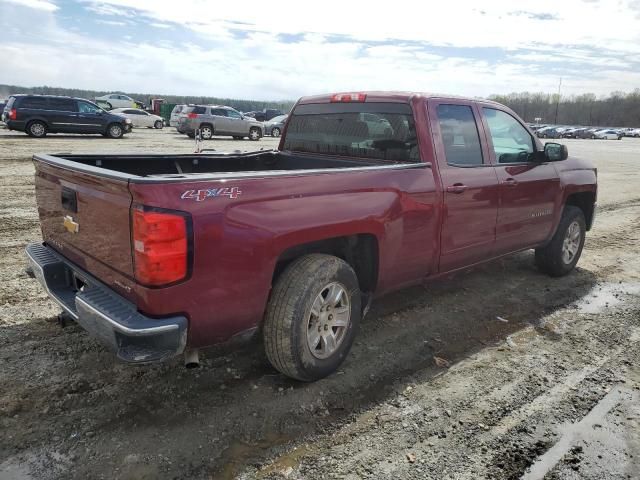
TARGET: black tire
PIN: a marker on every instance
(255, 134)
(36, 129)
(159, 124)
(115, 130)
(275, 132)
(206, 132)
(550, 258)
(288, 316)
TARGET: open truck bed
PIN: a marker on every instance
(136, 167)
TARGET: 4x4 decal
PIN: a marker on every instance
(200, 195)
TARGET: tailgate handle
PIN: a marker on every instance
(69, 199)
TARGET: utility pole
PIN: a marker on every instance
(558, 101)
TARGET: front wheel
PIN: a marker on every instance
(159, 124)
(275, 132)
(562, 253)
(312, 317)
(254, 134)
(115, 130)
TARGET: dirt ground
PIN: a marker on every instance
(498, 373)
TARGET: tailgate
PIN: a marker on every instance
(85, 216)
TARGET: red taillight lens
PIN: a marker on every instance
(192, 115)
(349, 97)
(13, 115)
(160, 246)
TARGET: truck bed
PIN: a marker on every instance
(184, 166)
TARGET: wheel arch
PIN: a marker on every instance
(360, 251)
(585, 201)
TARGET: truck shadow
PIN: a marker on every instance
(236, 410)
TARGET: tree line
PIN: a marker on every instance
(618, 109)
(238, 104)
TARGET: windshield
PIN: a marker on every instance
(383, 131)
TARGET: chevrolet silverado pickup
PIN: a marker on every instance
(159, 255)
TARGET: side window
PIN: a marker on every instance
(459, 135)
(233, 114)
(39, 103)
(512, 142)
(114, 97)
(218, 112)
(62, 104)
(86, 107)
(199, 110)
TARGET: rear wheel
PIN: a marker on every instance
(206, 132)
(254, 134)
(562, 253)
(36, 129)
(115, 130)
(275, 132)
(159, 124)
(312, 317)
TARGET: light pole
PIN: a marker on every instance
(558, 101)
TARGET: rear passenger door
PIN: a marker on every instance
(529, 185)
(63, 115)
(469, 183)
(220, 121)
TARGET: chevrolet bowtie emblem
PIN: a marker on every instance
(70, 225)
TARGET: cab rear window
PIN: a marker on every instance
(384, 131)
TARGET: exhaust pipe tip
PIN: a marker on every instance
(191, 358)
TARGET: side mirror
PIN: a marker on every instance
(554, 152)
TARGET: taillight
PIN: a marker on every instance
(192, 115)
(13, 114)
(349, 97)
(160, 246)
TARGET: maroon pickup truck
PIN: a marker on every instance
(158, 255)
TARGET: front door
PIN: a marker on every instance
(469, 183)
(236, 123)
(529, 187)
(90, 118)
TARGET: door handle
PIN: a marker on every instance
(509, 182)
(456, 188)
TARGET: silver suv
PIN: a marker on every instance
(218, 120)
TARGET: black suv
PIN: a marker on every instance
(37, 115)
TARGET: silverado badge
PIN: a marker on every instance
(70, 225)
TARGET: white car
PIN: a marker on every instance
(175, 113)
(140, 118)
(607, 134)
(117, 100)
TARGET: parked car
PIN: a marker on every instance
(550, 132)
(264, 115)
(635, 132)
(218, 120)
(573, 132)
(37, 115)
(140, 118)
(607, 134)
(586, 133)
(117, 100)
(175, 112)
(275, 126)
(165, 249)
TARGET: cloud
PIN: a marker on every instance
(45, 5)
(164, 48)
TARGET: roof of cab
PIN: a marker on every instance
(390, 96)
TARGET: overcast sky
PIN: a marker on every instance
(285, 49)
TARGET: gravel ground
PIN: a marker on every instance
(551, 388)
